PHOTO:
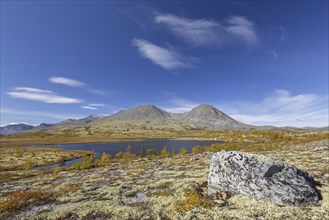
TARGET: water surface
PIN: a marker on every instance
(115, 147)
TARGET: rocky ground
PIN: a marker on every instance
(168, 188)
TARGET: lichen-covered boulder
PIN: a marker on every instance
(262, 178)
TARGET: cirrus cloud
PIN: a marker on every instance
(282, 108)
(167, 58)
(41, 95)
(66, 81)
(207, 32)
(279, 108)
(242, 28)
(93, 106)
(201, 32)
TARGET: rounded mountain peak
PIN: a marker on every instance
(141, 112)
(206, 110)
(205, 106)
(147, 106)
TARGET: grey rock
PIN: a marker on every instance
(207, 154)
(319, 148)
(261, 178)
(139, 197)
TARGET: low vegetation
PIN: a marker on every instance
(19, 199)
(17, 162)
(195, 197)
(156, 185)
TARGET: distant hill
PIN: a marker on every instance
(18, 128)
(43, 126)
(68, 123)
(146, 120)
(81, 121)
(317, 129)
(14, 128)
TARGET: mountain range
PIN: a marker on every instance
(144, 118)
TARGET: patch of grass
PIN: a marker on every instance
(164, 185)
(163, 192)
(140, 205)
(56, 170)
(70, 189)
(85, 163)
(101, 199)
(103, 161)
(194, 197)
(20, 199)
(28, 164)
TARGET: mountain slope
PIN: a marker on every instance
(81, 121)
(146, 120)
(141, 112)
(68, 123)
(210, 117)
(143, 118)
(15, 128)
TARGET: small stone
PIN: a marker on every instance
(318, 148)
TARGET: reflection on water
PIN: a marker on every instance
(115, 147)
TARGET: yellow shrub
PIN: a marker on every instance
(28, 164)
(19, 199)
(164, 153)
(193, 198)
(56, 170)
(183, 151)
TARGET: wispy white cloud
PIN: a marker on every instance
(167, 58)
(67, 81)
(40, 95)
(201, 32)
(93, 106)
(242, 28)
(208, 32)
(89, 107)
(97, 105)
(178, 105)
(281, 108)
(76, 83)
(30, 89)
(35, 115)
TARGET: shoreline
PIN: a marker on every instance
(21, 142)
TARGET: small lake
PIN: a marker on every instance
(115, 147)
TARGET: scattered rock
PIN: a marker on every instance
(207, 154)
(318, 148)
(139, 197)
(262, 178)
(128, 197)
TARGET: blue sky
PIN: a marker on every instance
(263, 63)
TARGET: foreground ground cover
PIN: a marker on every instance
(16, 163)
(161, 186)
